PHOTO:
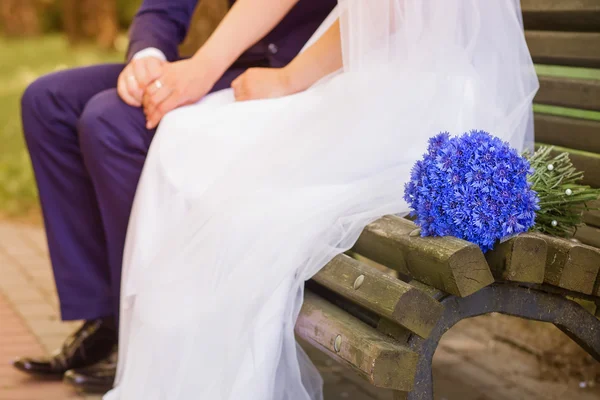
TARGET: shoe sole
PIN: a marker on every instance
(86, 387)
(40, 374)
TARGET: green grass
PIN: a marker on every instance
(21, 62)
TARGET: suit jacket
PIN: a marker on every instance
(163, 24)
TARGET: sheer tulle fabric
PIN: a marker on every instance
(240, 203)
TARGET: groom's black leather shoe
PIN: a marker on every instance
(98, 378)
(90, 344)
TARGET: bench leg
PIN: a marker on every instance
(509, 299)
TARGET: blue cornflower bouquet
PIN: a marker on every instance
(474, 187)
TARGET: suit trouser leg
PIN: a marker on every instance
(114, 143)
(63, 120)
(87, 149)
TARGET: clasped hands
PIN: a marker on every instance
(159, 86)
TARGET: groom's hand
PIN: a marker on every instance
(135, 78)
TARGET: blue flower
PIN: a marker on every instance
(473, 187)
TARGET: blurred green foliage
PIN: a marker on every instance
(23, 61)
(126, 10)
(51, 10)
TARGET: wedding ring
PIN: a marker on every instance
(158, 84)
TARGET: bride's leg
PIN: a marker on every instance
(261, 358)
(228, 213)
(156, 209)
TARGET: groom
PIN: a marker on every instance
(87, 139)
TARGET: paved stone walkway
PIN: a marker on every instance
(30, 323)
(16, 338)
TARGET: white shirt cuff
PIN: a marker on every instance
(149, 52)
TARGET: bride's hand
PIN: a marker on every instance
(262, 83)
(181, 83)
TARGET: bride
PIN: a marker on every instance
(240, 202)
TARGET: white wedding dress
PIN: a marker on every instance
(240, 203)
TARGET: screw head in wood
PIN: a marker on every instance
(358, 282)
(337, 344)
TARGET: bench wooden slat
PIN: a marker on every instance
(580, 49)
(570, 265)
(560, 6)
(373, 355)
(388, 297)
(589, 163)
(574, 133)
(449, 264)
(573, 93)
(520, 259)
(577, 16)
(592, 217)
(383, 325)
(589, 235)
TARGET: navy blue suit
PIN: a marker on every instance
(88, 147)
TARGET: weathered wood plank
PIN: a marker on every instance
(449, 264)
(388, 297)
(430, 290)
(580, 49)
(383, 325)
(365, 315)
(402, 334)
(589, 235)
(571, 265)
(587, 162)
(592, 217)
(520, 259)
(373, 355)
(560, 6)
(574, 15)
(574, 133)
(573, 93)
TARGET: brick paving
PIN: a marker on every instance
(29, 318)
(30, 323)
(15, 339)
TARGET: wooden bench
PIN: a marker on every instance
(387, 329)
(567, 33)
